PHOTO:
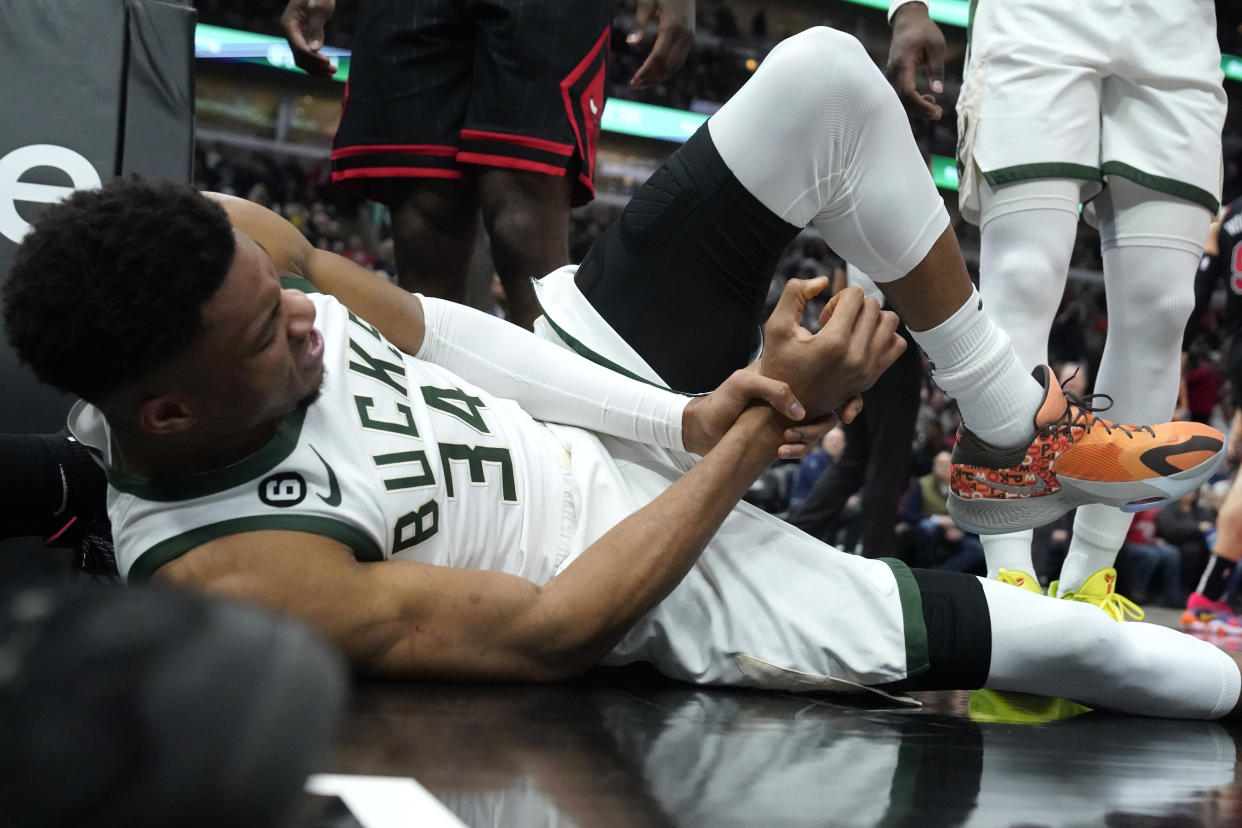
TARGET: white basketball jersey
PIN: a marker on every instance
(397, 458)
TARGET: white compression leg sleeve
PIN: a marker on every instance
(1027, 235)
(1066, 648)
(836, 151)
(1151, 243)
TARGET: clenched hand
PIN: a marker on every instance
(827, 370)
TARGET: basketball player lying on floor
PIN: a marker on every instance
(446, 495)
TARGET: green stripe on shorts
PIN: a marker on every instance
(1168, 186)
(1046, 169)
(917, 659)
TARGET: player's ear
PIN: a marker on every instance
(165, 415)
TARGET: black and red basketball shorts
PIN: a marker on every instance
(436, 85)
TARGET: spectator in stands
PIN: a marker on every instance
(813, 466)
(1151, 566)
(1184, 524)
(938, 542)
(1201, 381)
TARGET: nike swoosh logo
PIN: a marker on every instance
(334, 488)
(1157, 459)
(1030, 488)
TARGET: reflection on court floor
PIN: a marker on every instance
(626, 749)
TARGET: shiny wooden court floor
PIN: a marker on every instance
(632, 749)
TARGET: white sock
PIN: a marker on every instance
(1010, 550)
(1070, 649)
(973, 362)
(1099, 532)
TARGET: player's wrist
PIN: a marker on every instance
(763, 427)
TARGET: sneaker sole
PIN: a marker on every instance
(987, 516)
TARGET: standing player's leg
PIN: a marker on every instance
(894, 405)
(1161, 117)
(1151, 244)
(526, 215)
(1206, 609)
(399, 135)
(531, 128)
(870, 463)
(434, 223)
(1027, 232)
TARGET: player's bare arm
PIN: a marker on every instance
(400, 618)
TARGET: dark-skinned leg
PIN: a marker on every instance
(433, 224)
(527, 219)
(936, 287)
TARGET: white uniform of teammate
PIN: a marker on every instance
(1061, 99)
(1064, 89)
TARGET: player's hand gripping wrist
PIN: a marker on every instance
(829, 369)
(706, 419)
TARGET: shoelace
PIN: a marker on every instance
(1083, 415)
(1118, 606)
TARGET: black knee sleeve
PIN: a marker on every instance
(683, 274)
(959, 632)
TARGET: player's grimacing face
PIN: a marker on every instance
(260, 355)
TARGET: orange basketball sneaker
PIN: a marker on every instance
(1076, 458)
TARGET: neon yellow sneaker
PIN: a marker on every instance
(1018, 578)
(1019, 708)
(1098, 590)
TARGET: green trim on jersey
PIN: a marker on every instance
(918, 659)
(251, 468)
(599, 359)
(1168, 186)
(364, 548)
(1048, 169)
(288, 282)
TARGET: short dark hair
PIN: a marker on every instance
(110, 283)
